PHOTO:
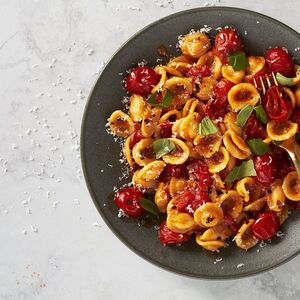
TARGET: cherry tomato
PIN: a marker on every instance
(221, 90)
(198, 171)
(136, 136)
(201, 197)
(229, 221)
(214, 110)
(266, 226)
(296, 117)
(253, 128)
(141, 80)
(167, 236)
(227, 41)
(279, 60)
(284, 164)
(190, 200)
(128, 199)
(265, 167)
(275, 105)
(197, 72)
(165, 130)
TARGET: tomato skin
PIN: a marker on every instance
(198, 72)
(217, 108)
(227, 41)
(165, 130)
(136, 136)
(279, 60)
(128, 199)
(198, 171)
(221, 90)
(253, 128)
(229, 221)
(266, 226)
(274, 105)
(141, 80)
(168, 237)
(297, 207)
(170, 171)
(265, 167)
(190, 200)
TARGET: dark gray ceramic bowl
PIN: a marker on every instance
(98, 149)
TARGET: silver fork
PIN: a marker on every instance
(291, 147)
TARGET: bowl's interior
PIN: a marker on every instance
(100, 153)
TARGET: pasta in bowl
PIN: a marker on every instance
(202, 138)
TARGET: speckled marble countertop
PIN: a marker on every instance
(54, 244)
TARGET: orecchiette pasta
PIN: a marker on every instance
(204, 136)
(248, 189)
(140, 151)
(150, 122)
(243, 94)
(207, 145)
(180, 155)
(281, 131)
(291, 186)
(162, 197)
(195, 45)
(208, 215)
(235, 145)
(231, 75)
(121, 124)
(244, 238)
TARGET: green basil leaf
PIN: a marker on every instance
(162, 147)
(165, 103)
(149, 206)
(261, 114)
(245, 169)
(244, 115)
(238, 61)
(207, 126)
(258, 146)
(282, 80)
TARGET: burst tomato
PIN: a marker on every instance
(141, 80)
(167, 236)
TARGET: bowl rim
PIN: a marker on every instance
(83, 158)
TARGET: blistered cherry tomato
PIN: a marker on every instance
(253, 129)
(265, 167)
(214, 110)
(141, 80)
(229, 221)
(165, 130)
(296, 117)
(266, 226)
(198, 171)
(284, 164)
(279, 60)
(197, 72)
(189, 201)
(227, 41)
(167, 236)
(128, 199)
(221, 90)
(136, 136)
(275, 105)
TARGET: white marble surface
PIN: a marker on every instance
(54, 245)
